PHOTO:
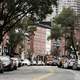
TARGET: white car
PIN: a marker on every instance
(26, 62)
(7, 62)
(18, 61)
(40, 62)
(34, 62)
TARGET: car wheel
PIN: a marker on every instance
(1, 71)
(59, 66)
(15, 68)
(10, 68)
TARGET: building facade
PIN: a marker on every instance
(4, 47)
(40, 41)
(48, 42)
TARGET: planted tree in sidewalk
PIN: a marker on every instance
(67, 20)
(12, 11)
(56, 31)
(16, 38)
(18, 34)
(56, 34)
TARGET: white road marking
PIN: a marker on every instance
(44, 77)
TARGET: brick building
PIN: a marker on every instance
(4, 45)
(38, 41)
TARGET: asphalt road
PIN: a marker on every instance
(41, 73)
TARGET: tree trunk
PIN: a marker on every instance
(1, 36)
(72, 41)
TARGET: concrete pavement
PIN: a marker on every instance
(41, 73)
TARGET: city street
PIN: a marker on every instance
(41, 73)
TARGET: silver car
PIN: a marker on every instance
(7, 62)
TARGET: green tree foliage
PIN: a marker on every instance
(26, 25)
(23, 26)
(67, 20)
(15, 39)
(56, 31)
(12, 11)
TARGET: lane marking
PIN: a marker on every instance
(44, 77)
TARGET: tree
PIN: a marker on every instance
(15, 39)
(26, 25)
(56, 31)
(66, 18)
(67, 21)
(18, 33)
(12, 11)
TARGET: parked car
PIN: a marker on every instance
(7, 62)
(76, 64)
(40, 63)
(26, 62)
(65, 63)
(14, 64)
(49, 60)
(71, 62)
(55, 61)
(1, 67)
(34, 62)
(62, 61)
(18, 61)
